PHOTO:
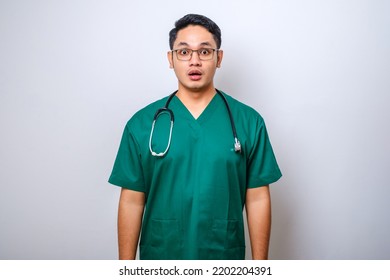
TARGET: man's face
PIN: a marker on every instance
(195, 74)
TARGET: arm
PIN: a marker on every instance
(258, 211)
(130, 212)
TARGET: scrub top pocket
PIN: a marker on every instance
(226, 234)
(224, 241)
(165, 239)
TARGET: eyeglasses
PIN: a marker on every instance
(203, 54)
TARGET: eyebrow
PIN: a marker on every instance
(203, 44)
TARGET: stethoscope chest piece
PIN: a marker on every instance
(237, 145)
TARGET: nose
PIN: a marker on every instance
(195, 59)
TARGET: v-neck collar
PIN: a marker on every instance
(204, 116)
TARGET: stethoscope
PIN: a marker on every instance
(166, 110)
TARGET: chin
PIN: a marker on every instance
(197, 87)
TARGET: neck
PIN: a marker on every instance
(196, 101)
(196, 95)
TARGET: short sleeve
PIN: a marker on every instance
(262, 165)
(127, 171)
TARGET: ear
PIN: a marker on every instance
(170, 59)
(219, 58)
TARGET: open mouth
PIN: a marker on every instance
(195, 75)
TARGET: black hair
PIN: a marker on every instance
(194, 19)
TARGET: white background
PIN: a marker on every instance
(73, 72)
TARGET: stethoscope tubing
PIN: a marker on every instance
(166, 110)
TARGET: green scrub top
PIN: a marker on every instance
(195, 194)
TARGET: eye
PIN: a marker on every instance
(204, 51)
(183, 52)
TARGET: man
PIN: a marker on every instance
(185, 179)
